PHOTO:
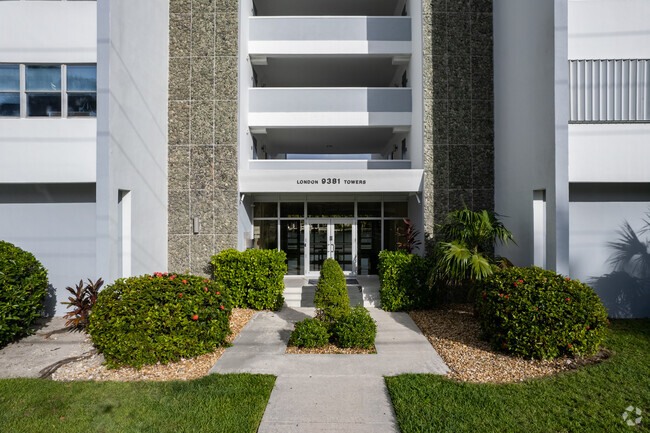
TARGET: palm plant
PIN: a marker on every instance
(468, 241)
(631, 254)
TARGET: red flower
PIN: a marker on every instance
(195, 317)
(567, 299)
(180, 295)
(171, 278)
(506, 296)
(543, 279)
(607, 320)
(521, 281)
(222, 307)
(165, 274)
(151, 278)
(206, 289)
(505, 345)
(484, 295)
(205, 281)
(536, 308)
(515, 284)
(217, 293)
(587, 327)
(567, 278)
(501, 294)
(184, 281)
(570, 345)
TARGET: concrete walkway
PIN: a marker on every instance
(51, 344)
(329, 393)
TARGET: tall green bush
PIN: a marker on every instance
(159, 318)
(534, 313)
(331, 292)
(403, 282)
(253, 278)
(23, 285)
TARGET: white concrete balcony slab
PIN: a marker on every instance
(329, 107)
(321, 180)
(328, 35)
(333, 164)
(48, 32)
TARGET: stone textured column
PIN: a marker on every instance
(459, 106)
(203, 62)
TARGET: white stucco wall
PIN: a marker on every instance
(531, 117)
(593, 226)
(132, 131)
(609, 29)
(41, 150)
(60, 235)
(48, 32)
(615, 152)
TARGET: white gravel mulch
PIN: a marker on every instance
(187, 369)
(454, 332)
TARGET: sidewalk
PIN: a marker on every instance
(321, 393)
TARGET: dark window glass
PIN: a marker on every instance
(292, 241)
(82, 104)
(331, 210)
(266, 210)
(369, 209)
(292, 210)
(82, 78)
(394, 233)
(9, 78)
(266, 235)
(9, 104)
(368, 246)
(44, 104)
(396, 210)
(43, 78)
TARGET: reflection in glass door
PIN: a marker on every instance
(331, 238)
(343, 245)
(318, 245)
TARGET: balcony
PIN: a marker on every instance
(296, 36)
(329, 107)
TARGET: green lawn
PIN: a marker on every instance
(228, 403)
(591, 399)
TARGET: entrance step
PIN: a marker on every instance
(362, 290)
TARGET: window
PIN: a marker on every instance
(9, 91)
(82, 90)
(48, 90)
(43, 91)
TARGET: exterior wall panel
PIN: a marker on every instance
(203, 49)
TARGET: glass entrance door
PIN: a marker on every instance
(330, 238)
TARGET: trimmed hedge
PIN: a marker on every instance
(159, 318)
(535, 313)
(403, 282)
(310, 333)
(253, 278)
(357, 329)
(23, 285)
(332, 292)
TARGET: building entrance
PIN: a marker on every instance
(331, 238)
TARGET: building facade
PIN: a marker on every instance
(147, 136)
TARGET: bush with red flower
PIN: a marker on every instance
(159, 318)
(535, 313)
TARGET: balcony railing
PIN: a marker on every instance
(338, 164)
(302, 107)
(329, 35)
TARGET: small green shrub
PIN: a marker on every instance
(403, 282)
(331, 292)
(309, 333)
(253, 278)
(534, 313)
(159, 318)
(23, 284)
(357, 329)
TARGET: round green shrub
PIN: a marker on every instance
(159, 318)
(331, 292)
(535, 313)
(357, 329)
(23, 284)
(309, 333)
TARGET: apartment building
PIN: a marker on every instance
(142, 136)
